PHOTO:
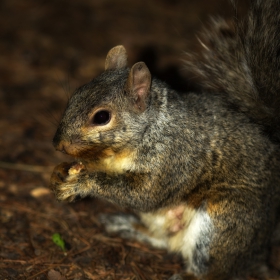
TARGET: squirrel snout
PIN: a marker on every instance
(61, 146)
(61, 149)
(66, 148)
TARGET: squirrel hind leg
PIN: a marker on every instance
(130, 227)
(183, 276)
(176, 277)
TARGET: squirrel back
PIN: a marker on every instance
(242, 62)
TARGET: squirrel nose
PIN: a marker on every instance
(66, 148)
(58, 142)
(61, 147)
(65, 145)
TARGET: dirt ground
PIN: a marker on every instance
(47, 49)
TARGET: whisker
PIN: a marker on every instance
(50, 117)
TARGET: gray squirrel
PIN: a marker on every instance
(202, 170)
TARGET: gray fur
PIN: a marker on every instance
(219, 150)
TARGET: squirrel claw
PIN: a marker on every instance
(64, 186)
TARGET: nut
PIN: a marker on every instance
(76, 168)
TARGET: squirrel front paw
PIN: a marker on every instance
(66, 181)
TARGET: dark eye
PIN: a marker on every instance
(101, 117)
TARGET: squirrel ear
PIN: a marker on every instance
(116, 58)
(138, 85)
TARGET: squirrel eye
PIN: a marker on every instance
(101, 117)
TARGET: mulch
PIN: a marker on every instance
(47, 49)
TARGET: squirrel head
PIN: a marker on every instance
(108, 113)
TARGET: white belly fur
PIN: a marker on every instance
(183, 230)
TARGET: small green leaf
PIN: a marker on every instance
(57, 239)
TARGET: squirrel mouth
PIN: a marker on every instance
(68, 148)
(78, 151)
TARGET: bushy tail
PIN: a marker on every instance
(243, 62)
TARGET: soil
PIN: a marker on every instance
(47, 49)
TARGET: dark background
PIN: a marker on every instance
(47, 49)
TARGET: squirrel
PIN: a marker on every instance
(201, 169)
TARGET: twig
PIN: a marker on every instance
(90, 275)
(137, 271)
(18, 207)
(87, 247)
(14, 261)
(38, 273)
(26, 167)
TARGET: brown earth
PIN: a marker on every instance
(47, 49)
